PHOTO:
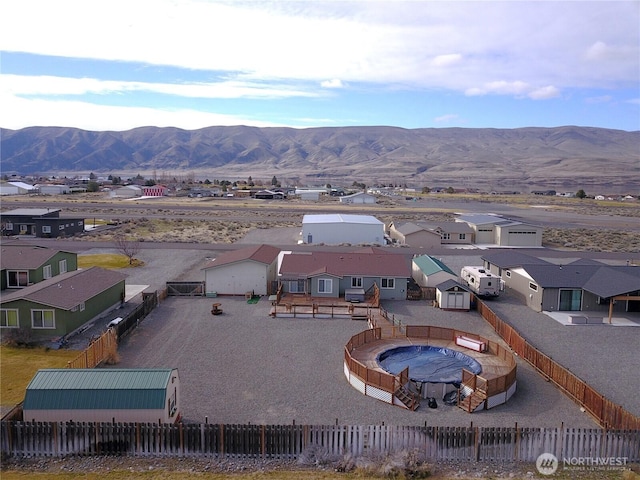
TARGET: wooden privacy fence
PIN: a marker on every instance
(97, 352)
(331, 441)
(607, 413)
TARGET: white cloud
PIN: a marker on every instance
(400, 43)
(19, 113)
(544, 93)
(334, 83)
(446, 60)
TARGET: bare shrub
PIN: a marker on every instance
(18, 337)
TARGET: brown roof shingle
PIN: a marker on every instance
(261, 253)
(69, 289)
(346, 264)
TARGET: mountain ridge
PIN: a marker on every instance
(474, 157)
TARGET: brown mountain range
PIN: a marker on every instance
(498, 159)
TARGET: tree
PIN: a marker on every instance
(451, 190)
(92, 176)
(274, 180)
(127, 246)
(581, 194)
(93, 186)
(426, 190)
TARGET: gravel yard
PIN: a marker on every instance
(244, 366)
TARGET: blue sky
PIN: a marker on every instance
(116, 65)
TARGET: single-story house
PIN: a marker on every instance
(581, 285)
(24, 265)
(332, 274)
(39, 222)
(451, 295)
(497, 262)
(128, 191)
(251, 269)
(51, 189)
(337, 228)
(107, 395)
(496, 230)
(269, 195)
(59, 305)
(414, 235)
(16, 188)
(428, 271)
(452, 233)
(358, 198)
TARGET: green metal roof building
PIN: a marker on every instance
(428, 271)
(103, 395)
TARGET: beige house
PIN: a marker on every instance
(413, 235)
(496, 230)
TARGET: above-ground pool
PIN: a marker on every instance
(428, 364)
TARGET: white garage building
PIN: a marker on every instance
(252, 269)
(337, 228)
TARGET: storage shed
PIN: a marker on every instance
(103, 395)
(337, 228)
(451, 295)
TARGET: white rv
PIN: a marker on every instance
(481, 281)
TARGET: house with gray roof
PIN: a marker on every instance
(39, 222)
(236, 272)
(58, 306)
(575, 287)
(332, 274)
(429, 271)
(23, 264)
(500, 260)
(496, 230)
(110, 395)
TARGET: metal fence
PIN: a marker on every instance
(290, 441)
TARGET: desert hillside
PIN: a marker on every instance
(496, 159)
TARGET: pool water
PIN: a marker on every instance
(427, 363)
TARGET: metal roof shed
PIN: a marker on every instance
(337, 228)
(103, 395)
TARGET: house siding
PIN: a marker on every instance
(336, 233)
(239, 278)
(67, 321)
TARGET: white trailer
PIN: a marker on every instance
(481, 281)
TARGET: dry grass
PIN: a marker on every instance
(106, 260)
(19, 365)
(592, 240)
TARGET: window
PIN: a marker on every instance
(46, 229)
(296, 286)
(533, 286)
(42, 319)
(325, 285)
(62, 266)
(507, 273)
(445, 236)
(570, 300)
(23, 229)
(82, 307)
(356, 282)
(17, 278)
(172, 402)
(388, 283)
(46, 271)
(9, 318)
(462, 236)
(8, 226)
(61, 227)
